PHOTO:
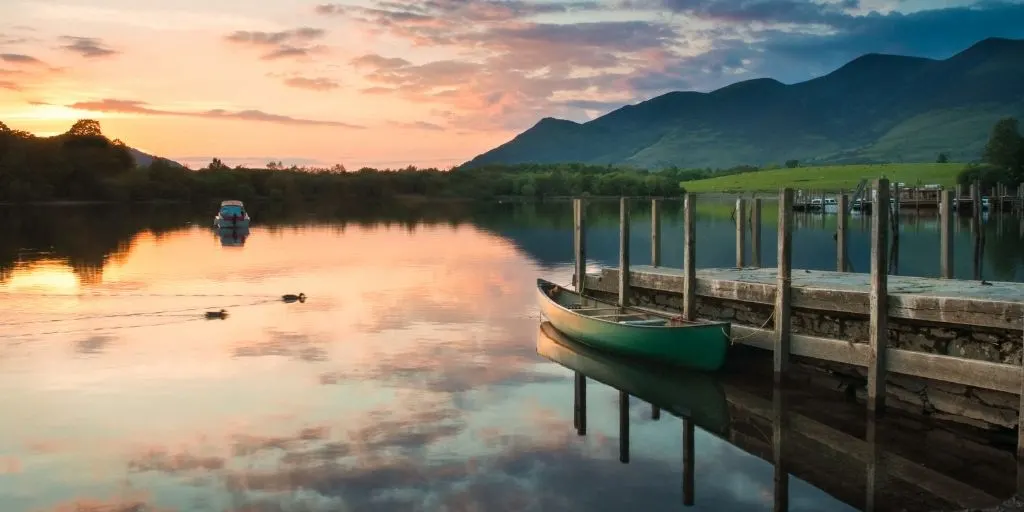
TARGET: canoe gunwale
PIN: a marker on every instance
(544, 285)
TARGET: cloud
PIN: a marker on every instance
(418, 125)
(87, 47)
(313, 84)
(11, 86)
(18, 59)
(513, 62)
(138, 107)
(284, 44)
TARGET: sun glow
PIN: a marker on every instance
(49, 112)
(50, 276)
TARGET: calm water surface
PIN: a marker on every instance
(408, 380)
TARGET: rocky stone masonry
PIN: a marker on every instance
(982, 408)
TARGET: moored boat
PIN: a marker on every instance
(634, 332)
(694, 395)
(232, 214)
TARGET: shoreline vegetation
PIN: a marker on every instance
(82, 166)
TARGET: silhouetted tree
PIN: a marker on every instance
(942, 158)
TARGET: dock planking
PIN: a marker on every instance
(997, 304)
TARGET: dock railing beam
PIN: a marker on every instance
(755, 232)
(623, 251)
(842, 221)
(655, 232)
(783, 290)
(879, 301)
(741, 228)
(579, 243)
(689, 254)
(946, 235)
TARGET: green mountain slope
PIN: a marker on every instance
(876, 108)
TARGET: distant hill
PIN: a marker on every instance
(144, 159)
(876, 108)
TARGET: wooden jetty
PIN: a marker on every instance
(950, 349)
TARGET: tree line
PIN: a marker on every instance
(1002, 161)
(83, 164)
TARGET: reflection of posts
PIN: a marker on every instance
(874, 471)
(580, 407)
(688, 454)
(780, 428)
(623, 427)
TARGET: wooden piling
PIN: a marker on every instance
(689, 254)
(741, 228)
(976, 226)
(655, 413)
(946, 235)
(1020, 437)
(688, 460)
(783, 290)
(579, 243)
(879, 301)
(755, 233)
(623, 427)
(842, 222)
(623, 252)
(874, 473)
(655, 232)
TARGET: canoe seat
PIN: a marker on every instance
(651, 322)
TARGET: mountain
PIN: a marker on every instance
(144, 159)
(875, 108)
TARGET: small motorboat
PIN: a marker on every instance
(232, 214)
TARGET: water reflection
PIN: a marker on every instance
(233, 237)
(408, 380)
(722, 414)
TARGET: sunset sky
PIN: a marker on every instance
(391, 83)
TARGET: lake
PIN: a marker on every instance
(409, 379)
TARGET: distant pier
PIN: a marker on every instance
(926, 197)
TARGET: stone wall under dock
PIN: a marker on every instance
(983, 408)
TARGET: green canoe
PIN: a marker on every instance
(697, 396)
(633, 332)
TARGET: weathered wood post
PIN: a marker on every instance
(623, 427)
(755, 233)
(741, 228)
(581, 404)
(976, 226)
(688, 459)
(623, 251)
(946, 235)
(655, 232)
(779, 431)
(579, 244)
(1020, 435)
(782, 290)
(842, 222)
(879, 301)
(689, 255)
(655, 413)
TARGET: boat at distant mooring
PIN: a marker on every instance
(634, 332)
(232, 214)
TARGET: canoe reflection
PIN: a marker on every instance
(737, 410)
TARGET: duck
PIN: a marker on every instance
(292, 297)
(216, 314)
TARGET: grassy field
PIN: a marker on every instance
(828, 178)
